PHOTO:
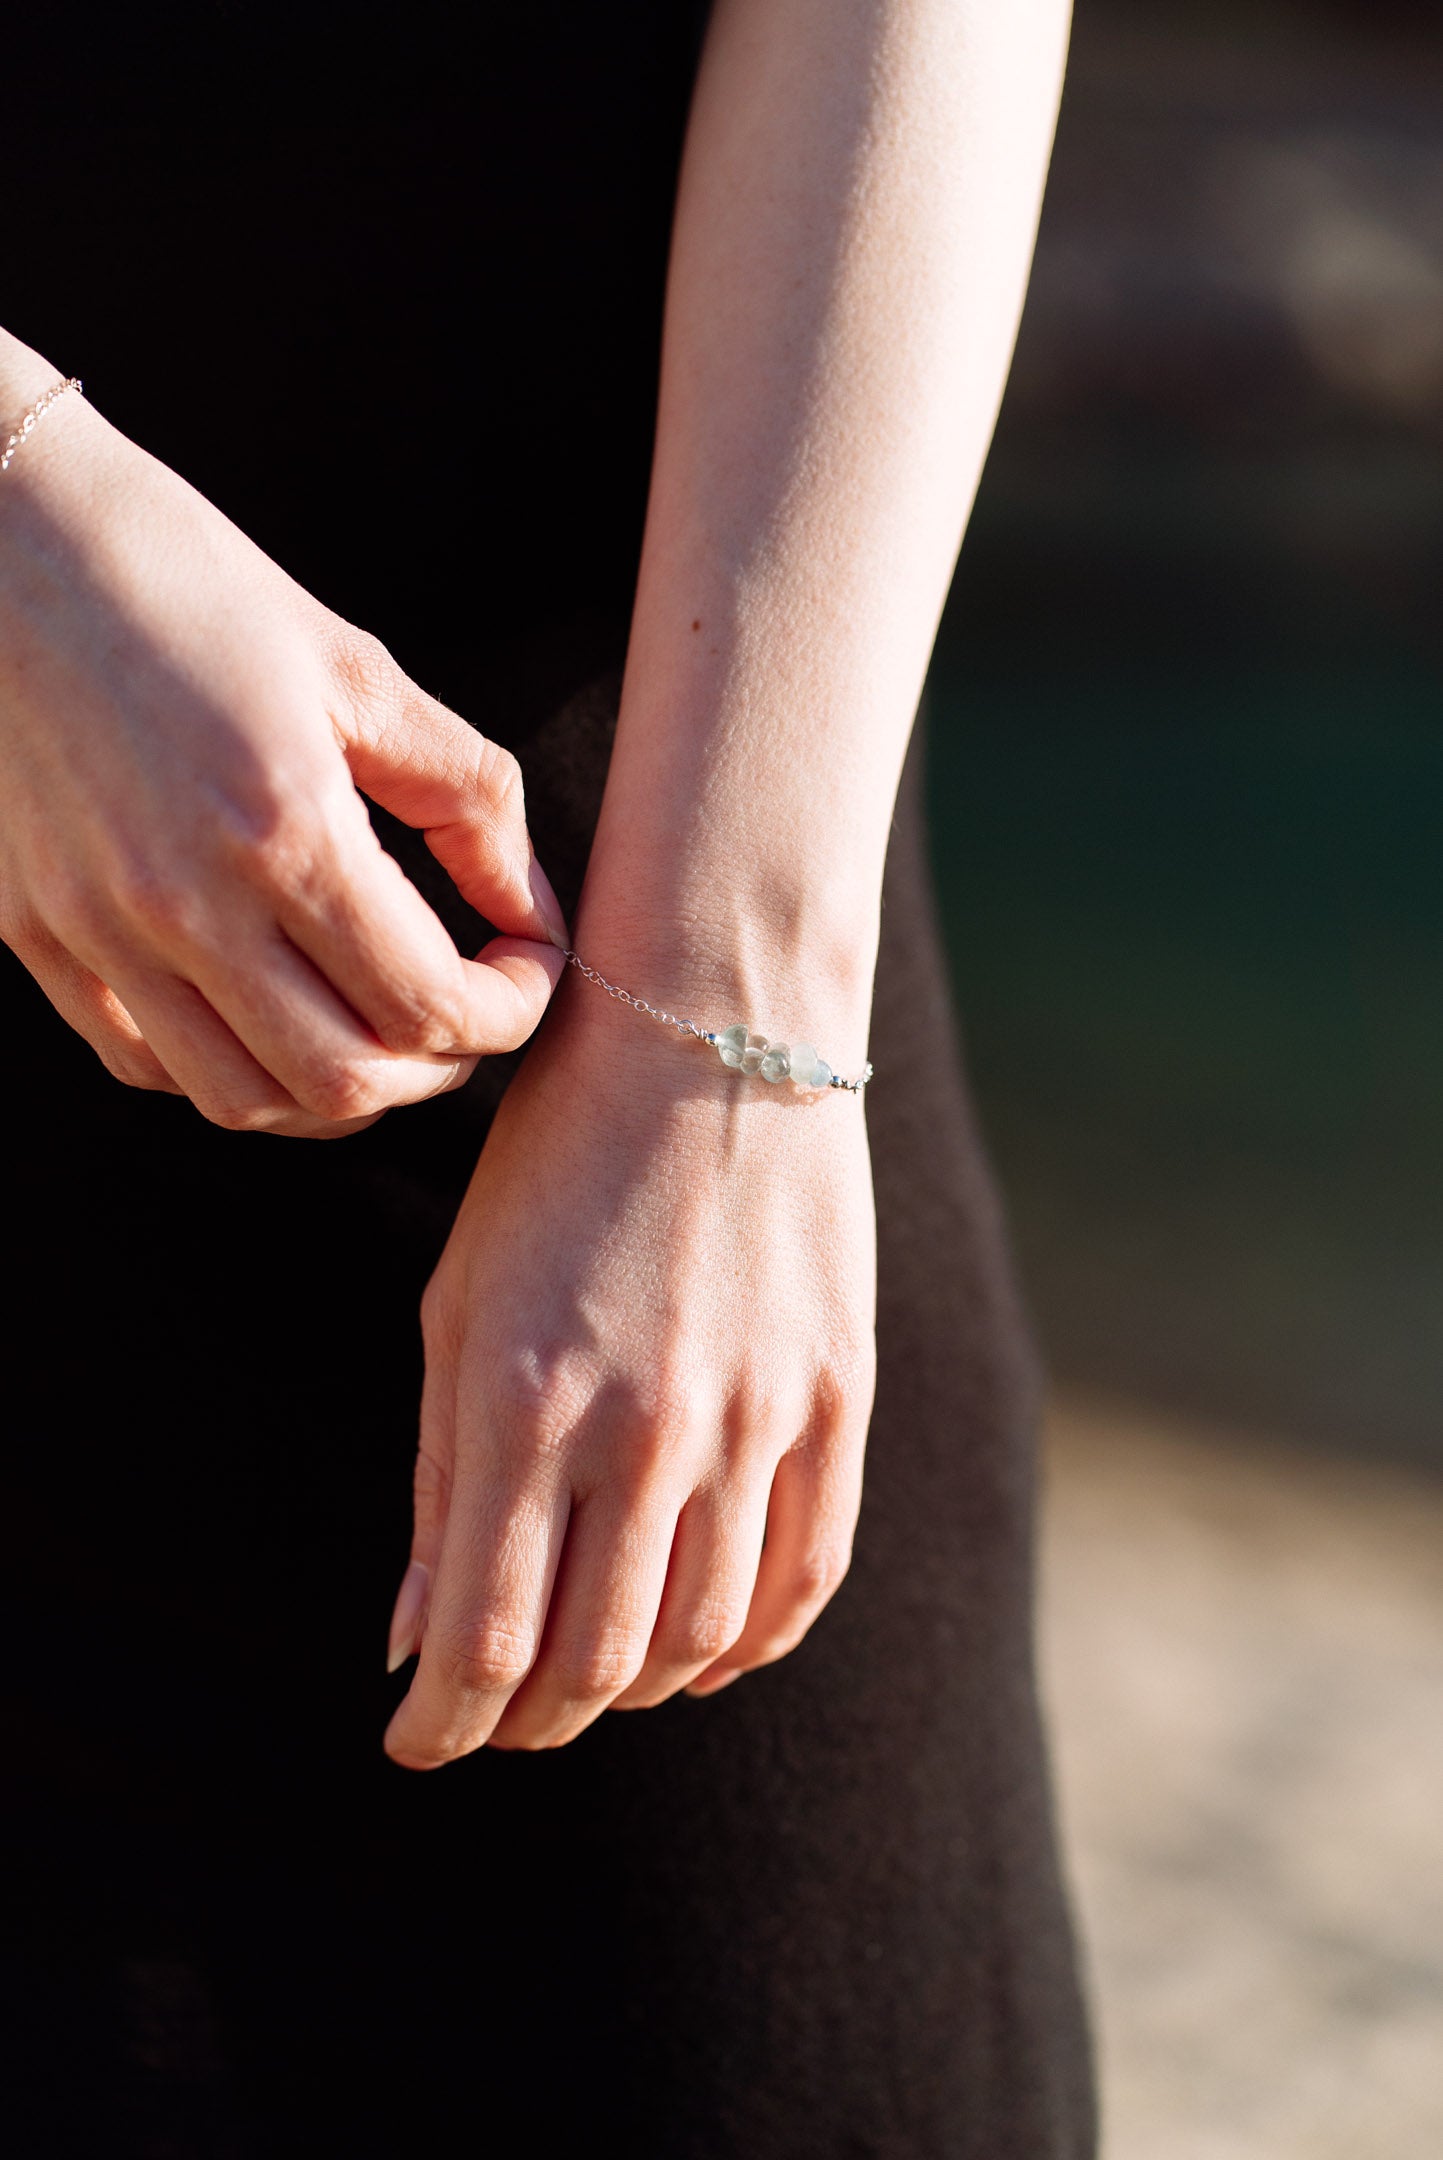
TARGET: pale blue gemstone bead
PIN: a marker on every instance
(755, 1051)
(732, 1043)
(777, 1063)
(804, 1064)
(822, 1074)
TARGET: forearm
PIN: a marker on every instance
(855, 220)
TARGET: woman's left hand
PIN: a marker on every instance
(649, 1374)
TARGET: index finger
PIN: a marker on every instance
(498, 1563)
(365, 926)
(433, 770)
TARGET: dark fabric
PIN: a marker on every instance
(818, 1915)
(384, 283)
(817, 1918)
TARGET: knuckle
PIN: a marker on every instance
(440, 1315)
(501, 781)
(779, 1644)
(600, 1667)
(649, 1453)
(819, 1574)
(704, 1635)
(362, 666)
(70, 907)
(656, 1420)
(430, 1487)
(269, 844)
(156, 900)
(843, 1394)
(235, 1116)
(487, 1658)
(415, 1026)
(423, 1755)
(540, 1394)
(663, 1400)
(340, 1093)
(135, 1072)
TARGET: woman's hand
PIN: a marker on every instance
(650, 1338)
(186, 865)
(649, 1349)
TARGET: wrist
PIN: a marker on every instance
(24, 376)
(654, 1085)
(54, 466)
(716, 960)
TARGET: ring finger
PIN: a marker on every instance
(811, 1517)
(709, 1583)
(210, 1064)
(292, 1023)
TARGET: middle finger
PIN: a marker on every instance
(709, 1584)
(292, 1022)
(603, 1610)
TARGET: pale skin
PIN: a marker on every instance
(186, 865)
(649, 1340)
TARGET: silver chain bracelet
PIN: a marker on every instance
(740, 1047)
(25, 427)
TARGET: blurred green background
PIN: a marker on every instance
(1186, 760)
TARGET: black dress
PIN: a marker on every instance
(386, 285)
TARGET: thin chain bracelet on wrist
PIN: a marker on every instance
(740, 1046)
(27, 424)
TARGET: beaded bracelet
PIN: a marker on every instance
(740, 1046)
(25, 427)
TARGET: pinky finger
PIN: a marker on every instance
(84, 1003)
(810, 1520)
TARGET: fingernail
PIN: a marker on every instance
(549, 907)
(406, 1619)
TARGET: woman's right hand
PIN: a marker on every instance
(186, 863)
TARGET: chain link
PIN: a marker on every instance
(25, 427)
(685, 1027)
(624, 997)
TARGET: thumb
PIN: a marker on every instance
(429, 768)
(431, 1501)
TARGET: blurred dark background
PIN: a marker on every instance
(1187, 759)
